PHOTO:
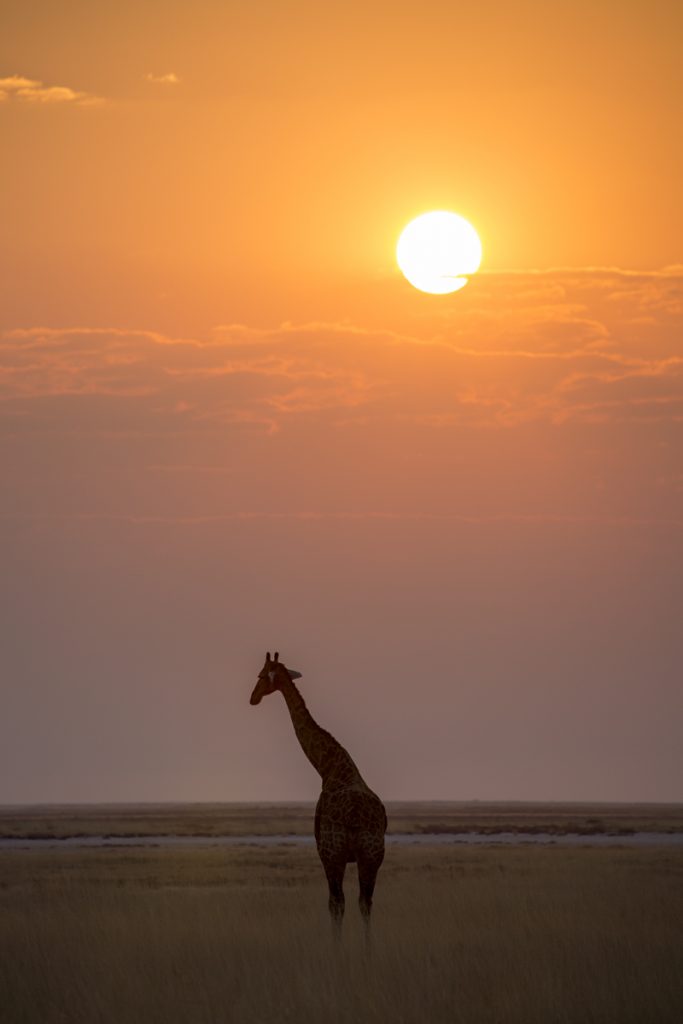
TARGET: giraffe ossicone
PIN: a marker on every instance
(350, 820)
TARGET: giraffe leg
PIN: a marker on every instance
(367, 875)
(335, 881)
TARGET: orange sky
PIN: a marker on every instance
(227, 423)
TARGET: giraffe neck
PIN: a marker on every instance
(327, 756)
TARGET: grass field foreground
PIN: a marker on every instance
(533, 935)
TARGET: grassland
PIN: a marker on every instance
(296, 819)
(490, 935)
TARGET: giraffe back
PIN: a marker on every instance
(350, 823)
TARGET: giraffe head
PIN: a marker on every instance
(271, 677)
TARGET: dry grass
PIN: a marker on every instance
(241, 935)
(296, 819)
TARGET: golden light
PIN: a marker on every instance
(436, 251)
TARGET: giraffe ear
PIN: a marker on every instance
(293, 674)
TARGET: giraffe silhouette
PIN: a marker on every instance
(350, 820)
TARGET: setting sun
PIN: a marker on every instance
(436, 251)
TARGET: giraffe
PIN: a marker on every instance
(350, 820)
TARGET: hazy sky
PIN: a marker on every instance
(227, 423)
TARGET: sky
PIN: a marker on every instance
(229, 425)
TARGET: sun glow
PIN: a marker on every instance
(436, 250)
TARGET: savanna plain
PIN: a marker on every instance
(513, 933)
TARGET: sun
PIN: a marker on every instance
(436, 250)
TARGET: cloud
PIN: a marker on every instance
(170, 78)
(534, 394)
(17, 88)
(513, 353)
(629, 522)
